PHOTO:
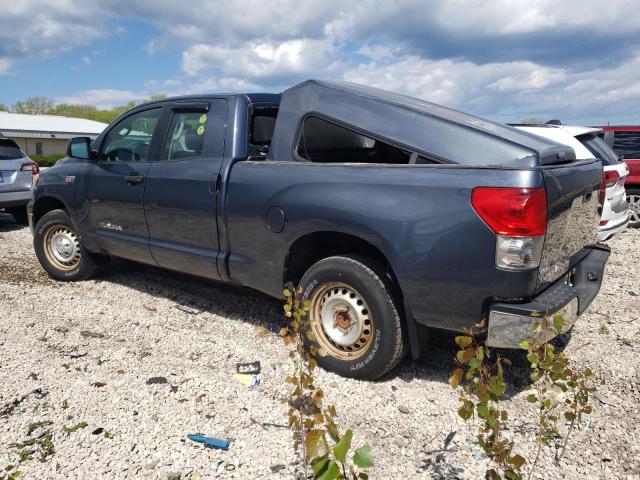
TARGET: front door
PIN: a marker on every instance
(180, 197)
(112, 188)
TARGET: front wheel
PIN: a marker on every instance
(354, 317)
(59, 250)
(633, 198)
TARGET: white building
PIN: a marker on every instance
(46, 134)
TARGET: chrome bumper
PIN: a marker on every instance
(511, 323)
(507, 330)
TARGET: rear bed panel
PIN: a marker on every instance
(419, 217)
(572, 198)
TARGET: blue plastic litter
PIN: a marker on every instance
(210, 441)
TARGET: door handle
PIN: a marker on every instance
(134, 179)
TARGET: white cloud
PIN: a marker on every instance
(172, 82)
(41, 28)
(258, 59)
(86, 60)
(225, 84)
(509, 90)
(499, 58)
(103, 98)
(5, 66)
(528, 76)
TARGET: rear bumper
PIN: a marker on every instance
(15, 199)
(511, 323)
(613, 226)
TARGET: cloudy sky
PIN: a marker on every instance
(507, 60)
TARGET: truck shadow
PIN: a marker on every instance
(7, 224)
(196, 296)
(437, 361)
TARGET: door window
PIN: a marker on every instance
(129, 140)
(186, 135)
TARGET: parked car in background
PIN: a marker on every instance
(625, 141)
(391, 214)
(17, 172)
(586, 143)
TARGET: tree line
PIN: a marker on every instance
(46, 106)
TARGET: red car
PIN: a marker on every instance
(625, 141)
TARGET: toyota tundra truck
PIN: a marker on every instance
(391, 214)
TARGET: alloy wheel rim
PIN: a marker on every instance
(634, 208)
(62, 248)
(341, 321)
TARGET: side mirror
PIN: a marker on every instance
(79, 147)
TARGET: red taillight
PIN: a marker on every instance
(514, 212)
(609, 179)
(30, 166)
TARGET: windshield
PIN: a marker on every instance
(9, 150)
(600, 149)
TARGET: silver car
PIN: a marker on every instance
(16, 180)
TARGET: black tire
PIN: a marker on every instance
(383, 343)
(82, 264)
(19, 215)
(634, 222)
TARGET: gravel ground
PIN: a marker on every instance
(84, 352)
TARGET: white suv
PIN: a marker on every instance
(587, 144)
(16, 180)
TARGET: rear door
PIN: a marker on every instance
(181, 188)
(111, 189)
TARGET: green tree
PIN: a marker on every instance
(3, 108)
(34, 106)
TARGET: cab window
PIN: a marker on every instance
(186, 135)
(129, 140)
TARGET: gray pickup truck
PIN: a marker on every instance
(392, 214)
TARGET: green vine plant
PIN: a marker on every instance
(481, 381)
(559, 391)
(324, 450)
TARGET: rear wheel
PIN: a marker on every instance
(59, 250)
(354, 317)
(19, 214)
(633, 197)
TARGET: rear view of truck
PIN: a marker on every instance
(556, 233)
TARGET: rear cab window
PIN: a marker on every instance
(262, 122)
(9, 150)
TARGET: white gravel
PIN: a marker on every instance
(136, 322)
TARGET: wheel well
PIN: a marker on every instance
(312, 248)
(45, 205)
